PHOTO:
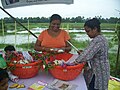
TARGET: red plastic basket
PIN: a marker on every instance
(67, 73)
(26, 70)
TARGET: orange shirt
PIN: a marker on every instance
(54, 42)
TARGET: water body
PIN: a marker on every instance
(21, 38)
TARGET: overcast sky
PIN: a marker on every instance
(86, 8)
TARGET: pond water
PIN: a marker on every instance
(21, 38)
(18, 39)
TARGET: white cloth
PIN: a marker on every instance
(48, 78)
(72, 58)
(12, 77)
(27, 56)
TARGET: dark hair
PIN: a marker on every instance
(93, 23)
(3, 74)
(9, 48)
(55, 17)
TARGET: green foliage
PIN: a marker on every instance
(26, 46)
(78, 44)
(112, 59)
(77, 19)
(43, 57)
(116, 37)
(109, 26)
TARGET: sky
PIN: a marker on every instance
(86, 8)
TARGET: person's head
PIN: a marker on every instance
(55, 22)
(3, 79)
(9, 49)
(92, 27)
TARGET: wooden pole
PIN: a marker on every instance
(15, 33)
(28, 33)
(3, 31)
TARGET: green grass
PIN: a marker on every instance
(11, 26)
(79, 45)
(108, 26)
(112, 59)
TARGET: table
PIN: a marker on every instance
(47, 77)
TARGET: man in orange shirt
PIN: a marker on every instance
(54, 38)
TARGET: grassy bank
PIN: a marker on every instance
(11, 26)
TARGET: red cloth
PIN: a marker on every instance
(15, 56)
